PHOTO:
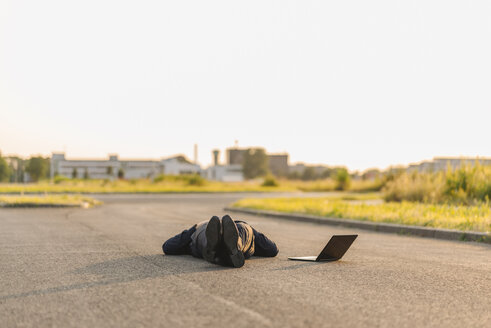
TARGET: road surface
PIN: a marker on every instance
(104, 267)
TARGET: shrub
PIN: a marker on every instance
(159, 178)
(469, 184)
(255, 163)
(309, 174)
(4, 169)
(59, 179)
(37, 167)
(343, 179)
(269, 181)
(415, 187)
(196, 180)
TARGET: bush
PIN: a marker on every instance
(255, 163)
(159, 178)
(4, 169)
(269, 182)
(196, 180)
(343, 179)
(415, 187)
(309, 174)
(59, 179)
(37, 167)
(468, 184)
(465, 185)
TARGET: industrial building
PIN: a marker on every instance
(442, 163)
(114, 167)
(277, 163)
(226, 173)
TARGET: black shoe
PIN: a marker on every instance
(230, 239)
(213, 237)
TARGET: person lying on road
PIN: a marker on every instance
(225, 242)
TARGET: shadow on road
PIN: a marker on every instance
(310, 264)
(128, 269)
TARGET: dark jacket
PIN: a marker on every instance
(180, 243)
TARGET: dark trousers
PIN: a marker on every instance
(245, 242)
(193, 240)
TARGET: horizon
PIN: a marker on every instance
(223, 162)
(364, 85)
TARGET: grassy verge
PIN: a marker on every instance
(48, 200)
(464, 218)
(137, 186)
(171, 184)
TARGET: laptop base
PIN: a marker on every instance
(333, 251)
(310, 259)
(304, 258)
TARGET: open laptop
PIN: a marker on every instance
(334, 250)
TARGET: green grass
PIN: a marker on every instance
(464, 218)
(466, 185)
(140, 186)
(165, 184)
(47, 200)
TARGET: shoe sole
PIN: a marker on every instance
(212, 239)
(230, 237)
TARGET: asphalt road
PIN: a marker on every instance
(104, 267)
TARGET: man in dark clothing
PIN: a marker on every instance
(225, 242)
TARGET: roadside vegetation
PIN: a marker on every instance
(47, 200)
(460, 217)
(454, 199)
(161, 184)
(467, 185)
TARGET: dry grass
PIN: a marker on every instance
(139, 186)
(47, 200)
(467, 185)
(465, 218)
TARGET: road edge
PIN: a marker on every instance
(44, 205)
(446, 234)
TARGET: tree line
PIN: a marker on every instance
(16, 169)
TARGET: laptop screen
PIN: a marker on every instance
(336, 247)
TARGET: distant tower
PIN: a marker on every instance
(216, 152)
(195, 153)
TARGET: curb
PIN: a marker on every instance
(34, 205)
(446, 234)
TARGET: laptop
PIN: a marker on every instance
(334, 250)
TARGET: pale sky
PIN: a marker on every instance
(356, 83)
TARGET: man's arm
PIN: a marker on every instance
(263, 245)
(179, 244)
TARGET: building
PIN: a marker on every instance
(114, 167)
(299, 168)
(442, 163)
(225, 173)
(278, 164)
(235, 156)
